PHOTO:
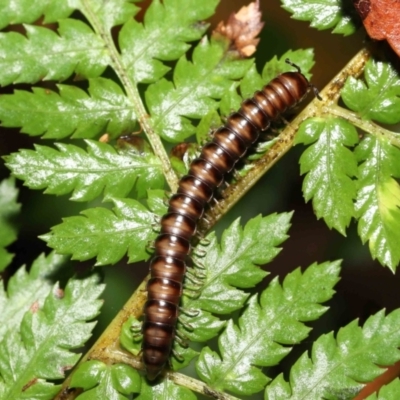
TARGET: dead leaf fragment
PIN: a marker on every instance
(381, 19)
(242, 28)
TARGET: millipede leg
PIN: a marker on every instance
(192, 293)
(191, 312)
(177, 355)
(186, 325)
(193, 279)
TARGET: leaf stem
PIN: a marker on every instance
(132, 94)
(367, 126)
(198, 386)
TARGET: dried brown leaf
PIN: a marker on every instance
(381, 19)
(242, 28)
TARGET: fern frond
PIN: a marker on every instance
(163, 36)
(72, 111)
(378, 98)
(378, 199)
(43, 54)
(86, 173)
(27, 288)
(263, 328)
(105, 234)
(41, 350)
(109, 13)
(196, 86)
(25, 11)
(329, 166)
(233, 264)
(339, 366)
(98, 380)
(324, 14)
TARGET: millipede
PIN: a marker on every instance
(195, 191)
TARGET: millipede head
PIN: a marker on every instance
(310, 85)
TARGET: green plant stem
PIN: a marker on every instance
(133, 95)
(367, 126)
(198, 386)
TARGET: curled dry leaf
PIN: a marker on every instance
(242, 28)
(381, 19)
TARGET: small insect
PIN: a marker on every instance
(196, 189)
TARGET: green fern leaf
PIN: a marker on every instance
(72, 111)
(378, 199)
(388, 392)
(325, 14)
(379, 97)
(203, 326)
(230, 101)
(338, 366)
(186, 354)
(45, 55)
(109, 13)
(40, 351)
(163, 36)
(8, 209)
(164, 390)
(251, 82)
(104, 234)
(131, 335)
(27, 288)
(207, 124)
(20, 11)
(192, 94)
(329, 166)
(264, 327)
(87, 174)
(156, 201)
(26, 11)
(234, 263)
(99, 380)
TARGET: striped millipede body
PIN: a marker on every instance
(196, 189)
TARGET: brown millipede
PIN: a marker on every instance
(206, 173)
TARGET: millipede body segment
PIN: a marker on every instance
(196, 189)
